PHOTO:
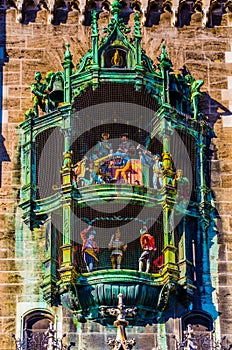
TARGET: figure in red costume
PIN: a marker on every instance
(147, 243)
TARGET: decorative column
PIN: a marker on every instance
(50, 265)
(138, 53)
(161, 334)
(164, 66)
(67, 270)
(168, 196)
(169, 248)
(138, 37)
(67, 65)
(66, 171)
(94, 37)
(95, 63)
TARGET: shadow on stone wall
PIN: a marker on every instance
(214, 111)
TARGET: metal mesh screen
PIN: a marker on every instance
(130, 235)
(49, 157)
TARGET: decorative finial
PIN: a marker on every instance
(164, 55)
(121, 341)
(67, 54)
(137, 29)
(164, 58)
(116, 8)
(94, 23)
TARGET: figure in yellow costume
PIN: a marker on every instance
(117, 248)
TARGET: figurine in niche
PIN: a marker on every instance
(195, 93)
(182, 185)
(166, 161)
(103, 147)
(167, 167)
(155, 162)
(147, 243)
(116, 59)
(67, 161)
(89, 247)
(37, 89)
(117, 248)
(79, 172)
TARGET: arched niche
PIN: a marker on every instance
(29, 11)
(35, 325)
(199, 320)
(185, 12)
(217, 9)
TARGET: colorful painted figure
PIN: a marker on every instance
(183, 187)
(117, 248)
(105, 171)
(147, 243)
(156, 164)
(126, 167)
(89, 247)
(103, 147)
(67, 160)
(94, 176)
(126, 146)
(158, 263)
(79, 172)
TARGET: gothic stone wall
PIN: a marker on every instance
(39, 46)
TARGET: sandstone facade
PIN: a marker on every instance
(207, 54)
